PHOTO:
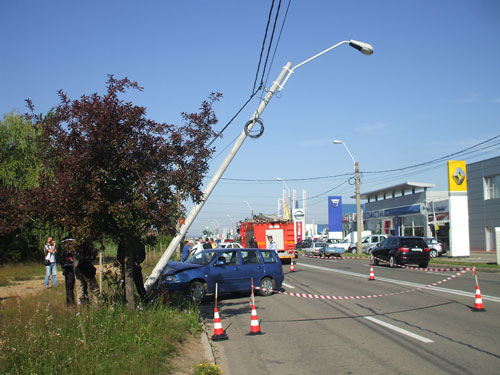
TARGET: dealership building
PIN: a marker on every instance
(414, 209)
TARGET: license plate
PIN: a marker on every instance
(416, 249)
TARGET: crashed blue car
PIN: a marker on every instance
(231, 269)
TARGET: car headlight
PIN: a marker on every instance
(171, 279)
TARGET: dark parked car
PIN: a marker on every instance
(402, 250)
(304, 243)
(231, 269)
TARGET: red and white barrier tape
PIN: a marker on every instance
(450, 269)
(331, 258)
(319, 296)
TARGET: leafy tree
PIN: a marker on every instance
(20, 170)
(114, 171)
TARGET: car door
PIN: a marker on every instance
(252, 269)
(226, 271)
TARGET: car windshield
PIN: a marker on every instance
(204, 257)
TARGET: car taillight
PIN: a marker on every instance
(427, 249)
(403, 250)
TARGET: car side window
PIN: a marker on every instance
(375, 239)
(249, 257)
(230, 258)
(392, 241)
(268, 256)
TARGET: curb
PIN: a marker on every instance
(209, 354)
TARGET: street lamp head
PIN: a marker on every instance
(337, 142)
(279, 179)
(364, 48)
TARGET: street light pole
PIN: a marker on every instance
(289, 195)
(250, 207)
(359, 216)
(364, 48)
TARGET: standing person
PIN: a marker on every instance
(131, 253)
(212, 242)
(67, 264)
(50, 262)
(207, 244)
(272, 244)
(253, 243)
(186, 250)
(85, 273)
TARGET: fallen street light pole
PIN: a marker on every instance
(215, 179)
(155, 274)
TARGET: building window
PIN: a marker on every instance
(492, 187)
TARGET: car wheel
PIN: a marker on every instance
(267, 286)
(352, 250)
(433, 253)
(197, 291)
(374, 260)
(392, 261)
(423, 265)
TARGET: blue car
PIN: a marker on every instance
(232, 269)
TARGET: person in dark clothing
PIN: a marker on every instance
(186, 250)
(253, 243)
(85, 273)
(207, 244)
(67, 264)
(131, 253)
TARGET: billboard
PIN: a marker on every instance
(335, 214)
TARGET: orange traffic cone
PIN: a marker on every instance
(292, 269)
(218, 330)
(254, 323)
(478, 303)
(372, 274)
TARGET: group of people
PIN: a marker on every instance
(77, 267)
(192, 247)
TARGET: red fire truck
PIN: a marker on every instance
(260, 228)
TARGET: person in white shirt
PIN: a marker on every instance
(50, 262)
(272, 244)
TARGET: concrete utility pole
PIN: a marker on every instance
(364, 48)
(359, 215)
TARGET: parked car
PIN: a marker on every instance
(437, 248)
(333, 240)
(304, 243)
(229, 245)
(402, 250)
(369, 242)
(331, 249)
(314, 248)
(231, 269)
(348, 245)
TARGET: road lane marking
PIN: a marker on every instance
(400, 330)
(288, 286)
(407, 283)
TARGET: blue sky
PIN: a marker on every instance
(432, 87)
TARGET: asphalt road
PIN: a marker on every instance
(431, 331)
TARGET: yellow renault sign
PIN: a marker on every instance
(457, 177)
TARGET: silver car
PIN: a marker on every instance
(314, 248)
(436, 247)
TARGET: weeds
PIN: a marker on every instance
(41, 335)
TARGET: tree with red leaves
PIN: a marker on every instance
(115, 172)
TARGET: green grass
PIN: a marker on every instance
(41, 335)
(445, 261)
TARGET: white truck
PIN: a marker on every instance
(349, 244)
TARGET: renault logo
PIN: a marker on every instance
(459, 176)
